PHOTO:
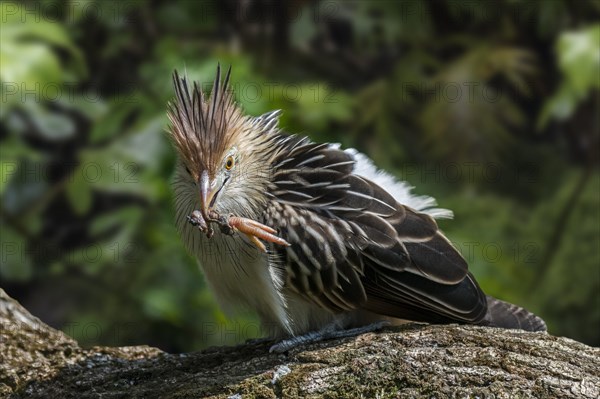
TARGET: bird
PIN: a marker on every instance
(312, 237)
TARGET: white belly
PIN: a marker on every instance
(240, 277)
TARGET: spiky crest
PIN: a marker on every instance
(203, 129)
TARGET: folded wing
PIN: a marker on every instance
(354, 246)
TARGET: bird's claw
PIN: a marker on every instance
(197, 220)
(255, 230)
(229, 225)
(226, 228)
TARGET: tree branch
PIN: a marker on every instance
(410, 361)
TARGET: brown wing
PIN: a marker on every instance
(354, 246)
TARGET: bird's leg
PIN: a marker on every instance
(255, 230)
(330, 331)
(251, 228)
(222, 222)
(229, 225)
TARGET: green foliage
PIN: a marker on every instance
(87, 211)
(579, 62)
(466, 107)
(569, 288)
(28, 50)
(37, 56)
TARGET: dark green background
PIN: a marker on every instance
(491, 107)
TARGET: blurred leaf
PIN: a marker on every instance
(129, 163)
(15, 261)
(113, 235)
(189, 17)
(386, 22)
(303, 30)
(79, 192)
(12, 152)
(578, 55)
(7, 169)
(146, 143)
(41, 65)
(110, 121)
(51, 125)
(89, 104)
(27, 53)
(28, 184)
(467, 111)
(126, 218)
(569, 288)
(316, 105)
(162, 304)
(515, 64)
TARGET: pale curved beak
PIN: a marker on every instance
(206, 194)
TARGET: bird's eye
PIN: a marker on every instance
(229, 162)
(188, 170)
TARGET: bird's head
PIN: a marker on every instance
(222, 152)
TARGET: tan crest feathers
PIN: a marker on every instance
(203, 129)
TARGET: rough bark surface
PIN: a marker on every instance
(37, 361)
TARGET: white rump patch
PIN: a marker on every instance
(400, 190)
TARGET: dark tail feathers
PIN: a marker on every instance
(506, 315)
